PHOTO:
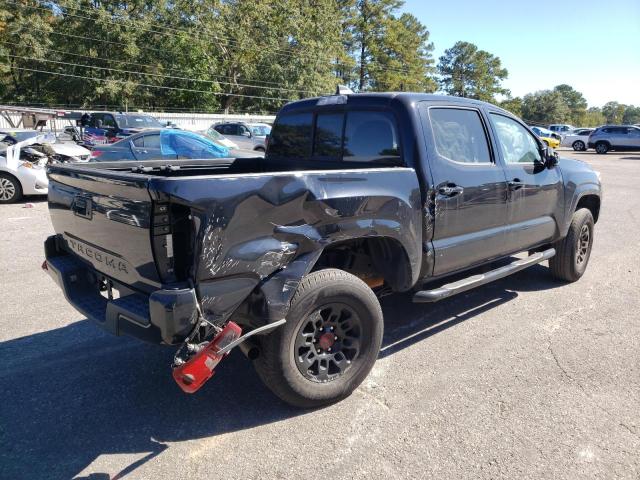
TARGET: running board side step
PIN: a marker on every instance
(429, 296)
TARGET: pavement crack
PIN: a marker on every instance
(631, 430)
(585, 393)
(561, 368)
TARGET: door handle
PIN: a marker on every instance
(450, 191)
(515, 184)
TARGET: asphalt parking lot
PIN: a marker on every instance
(523, 378)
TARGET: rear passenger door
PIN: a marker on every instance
(470, 189)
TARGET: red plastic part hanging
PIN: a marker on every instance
(191, 375)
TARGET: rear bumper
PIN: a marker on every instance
(165, 316)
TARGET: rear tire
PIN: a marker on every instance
(329, 344)
(573, 251)
(602, 148)
(579, 146)
(10, 189)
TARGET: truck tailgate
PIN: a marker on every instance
(105, 219)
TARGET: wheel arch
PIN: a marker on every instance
(10, 174)
(380, 261)
(373, 259)
(591, 202)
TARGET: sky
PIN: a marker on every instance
(592, 45)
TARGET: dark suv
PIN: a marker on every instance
(615, 137)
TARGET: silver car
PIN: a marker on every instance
(615, 137)
(248, 136)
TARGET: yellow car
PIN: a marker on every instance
(547, 136)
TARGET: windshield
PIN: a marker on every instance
(212, 134)
(137, 121)
(260, 130)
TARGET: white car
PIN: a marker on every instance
(578, 139)
(24, 155)
(18, 176)
(562, 128)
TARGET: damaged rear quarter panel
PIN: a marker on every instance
(270, 228)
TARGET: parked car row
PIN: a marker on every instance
(24, 153)
(602, 139)
(166, 144)
(550, 138)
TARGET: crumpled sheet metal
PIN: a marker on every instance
(271, 228)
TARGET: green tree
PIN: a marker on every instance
(613, 112)
(575, 101)
(512, 104)
(631, 115)
(25, 33)
(402, 60)
(594, 117)
(545, 106)
(370, 19)
(466, 71)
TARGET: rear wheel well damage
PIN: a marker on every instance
(381, 262)
(592, 203)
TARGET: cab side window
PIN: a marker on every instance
(459, 135)
(328, 135)
(291, 136)
(371, 137)
(516, 143)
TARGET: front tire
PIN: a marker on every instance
(10, 189)
(573, 251)
(329, 344)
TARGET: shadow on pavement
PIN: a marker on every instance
(75, 393)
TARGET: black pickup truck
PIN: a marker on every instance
(286, 256)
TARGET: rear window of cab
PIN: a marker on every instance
(349, 137)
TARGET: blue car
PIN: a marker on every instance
(163, 144)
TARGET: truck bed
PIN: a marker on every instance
(224, 227)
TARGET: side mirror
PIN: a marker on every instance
(246, 133)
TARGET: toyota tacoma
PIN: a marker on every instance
(287, 256)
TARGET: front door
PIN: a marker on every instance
(469, 186)
(535, 191)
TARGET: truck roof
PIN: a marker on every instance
(381, 99)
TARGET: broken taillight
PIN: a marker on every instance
(192, 374)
